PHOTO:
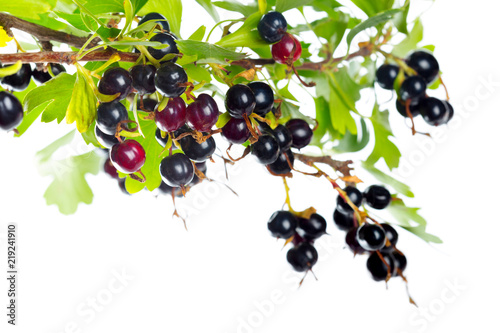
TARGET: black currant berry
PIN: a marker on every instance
(162, 141)
(377, 197)
(177, 170)
(303, 257)
(400, 262)
(266, 149)
(106, 140)
(11, 111)
(272, 27)
(128, 156)
(170, 47)
(378, 269)
(18, 81)
(110, 169)
(282, 224)
(203, 113)
(354, 195)
(425, 64)
(283, 165)
(202, 167)
(240, 100)
(386, 75)
(344, 220)
(287, 50)
(236, 131)
(170, 80)
(143, 78)
(115, 80)
(392, 236)
(434, 111)
(109, 115)
(123, 188)
(41, 77)
(173, 116)
(148, 105)
(412, 88)
(264, 97)
(451, 112)
(401, 107)
(300, 131)
(160, 19)
(371, 237)
(197, 152)
(352, 241)
(312, 228)
(283, 136)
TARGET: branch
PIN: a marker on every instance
(66, 57)
(42, 33)
(340, 166)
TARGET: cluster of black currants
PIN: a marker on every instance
(303, 232)
(378, 240)
(412, 98)
(11, 109)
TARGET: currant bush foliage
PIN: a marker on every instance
(209, 59)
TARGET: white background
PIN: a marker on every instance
(226, 274)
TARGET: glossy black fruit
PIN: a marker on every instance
(352, 241)
(425, 64)
(18, 81)
(197, 152)
(149, 105)
(377, 197)
(272, 27)
(266, 149)
(115, 80)
(282, 166)
(371, 237)
(162, 141)
(160, 19)
(170, 47)
(283, 136)
(109, 115)
(170, 80)
(401, 107)
(312, 228)
(302, 257)
(386, 75)
(378, 269)
(177, 170)
(392, 236)
(264, 97)
(344, 220)
(143, 78)
(236, 131)
(240, 100)
(11, 111)
(282, 224)
(354, 195)
(412, 88)
(300, 131)
(106, 140)
(451, 111)
(400, 262)
(41, 77)
(434, 111)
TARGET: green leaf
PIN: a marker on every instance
(350, 143)
(208, 53)
(197, 72)
(388, 180)
(236, 6)
(284, 5)
(171, 9)
(246, 35)
(371, 22)
(74, 19)
(411, 41)
(223, 120)
(69, 186)
(51, 98)
(372, 7)
(82, 106)
(45, 154)
(407, 217)
(10, 69)
(198, 34)
(384, 147)
(323, 119)
(26, 8)
(89, 136)
(344, 93)
(210, 8)
(327, 6)
(400, 20)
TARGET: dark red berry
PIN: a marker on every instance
(177, 170)
(287, 50)
(272, 27)
(143, 78)
(377, 197)
(11, 111)
(202, 114)
(236, 131)
(302, 257)
(128, 156)
(300, 131)
(115, 80)
(110, 169)
(173, 116)
(282, 224)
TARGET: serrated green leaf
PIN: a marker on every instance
(388, 180)
(74, 19)
(82, 106)
(26, 8)
(351, 143)
(237, 6)
(246, 35)
(198, 72)
(206, 52)
(171, 9)
(198, 34)
(344, 93)
(371, 22)
(411, 41)
(371, 7)
(284, 5)
(323, 119)
(210, 8)
(54, 96)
